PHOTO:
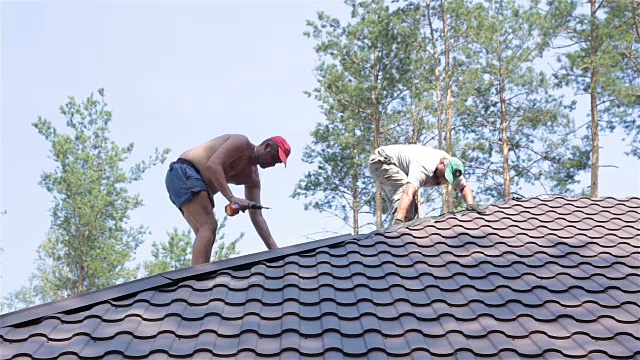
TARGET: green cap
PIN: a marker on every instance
(453, 170)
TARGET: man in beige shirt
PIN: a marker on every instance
(209, 168)
(402, 169)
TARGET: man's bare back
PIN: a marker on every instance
(240, 168)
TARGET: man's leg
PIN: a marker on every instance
(375, 170)
(392, 181)
(199, 215)
(395, 183)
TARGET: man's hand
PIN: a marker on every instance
(243, 203)
(472, 207)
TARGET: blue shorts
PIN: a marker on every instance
(183, 182)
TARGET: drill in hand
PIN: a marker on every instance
(233, 209)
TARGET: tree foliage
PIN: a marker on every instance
(175, 253)
(463, 76)
(603, 63)
(360, 74)
(90, 243)
(518, 130)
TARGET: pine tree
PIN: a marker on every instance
(360, 74)
(603, 63)
(89, 243)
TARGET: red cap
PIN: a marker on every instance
(283, 147)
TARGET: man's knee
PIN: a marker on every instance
(208, 230)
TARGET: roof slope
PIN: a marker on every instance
(542, 278)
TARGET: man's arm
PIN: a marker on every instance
(252, 193)
(467, 194)
(405, 201)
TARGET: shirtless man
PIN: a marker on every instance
(207, 169)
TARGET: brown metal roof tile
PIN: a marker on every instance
(545, 278)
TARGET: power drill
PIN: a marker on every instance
(234, 209)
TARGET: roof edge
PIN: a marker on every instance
(78, 302)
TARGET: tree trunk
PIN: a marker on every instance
(415, 136)
(354, 194)
(504, 137)
(80, 281)
(439, 105)
(377, 120)
(448, 206)
(595, 139)
(356, 225)
(83, 267)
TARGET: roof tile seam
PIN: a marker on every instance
(465, 347)
(488, 254)
(370, 313)
(479, 251)
(515, 301)
(390, 303)
(501, 242)
(336, 330)
(461, 277)
(334, 349)
(489, 289)
(518, 225)
(451, 263)
(504, 214)
(450, 275)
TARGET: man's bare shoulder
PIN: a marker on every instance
(238, 141)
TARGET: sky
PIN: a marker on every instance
(175, 74)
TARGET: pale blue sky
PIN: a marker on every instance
(175, 75)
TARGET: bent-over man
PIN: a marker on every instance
(209, 168)
(402, 169)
